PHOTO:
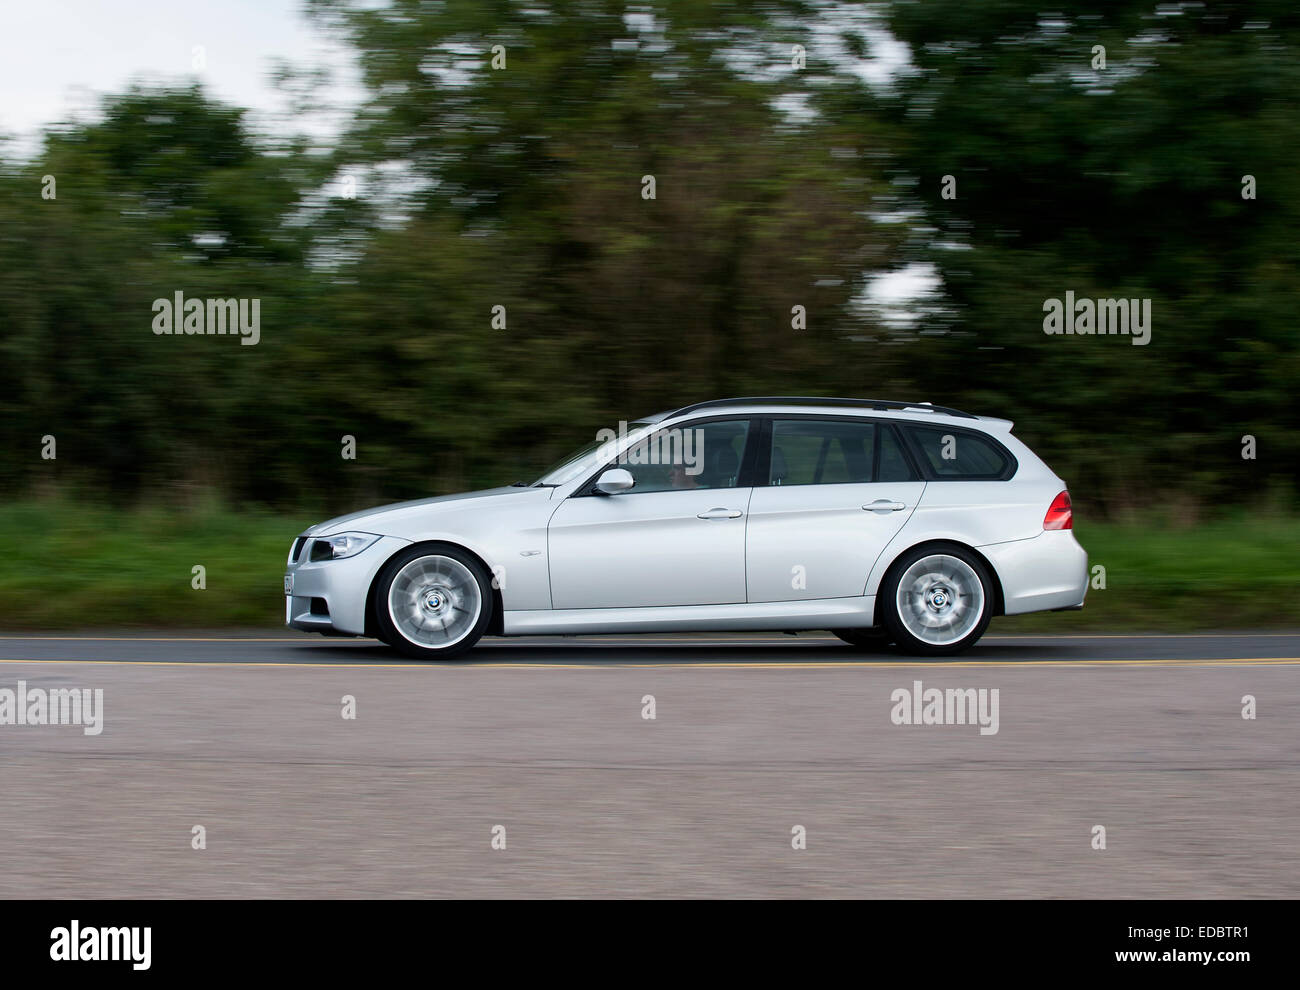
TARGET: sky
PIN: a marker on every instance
(57, 57)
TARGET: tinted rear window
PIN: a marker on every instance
(893, 462)
(835, 452)
(957, 455)
(821, 452)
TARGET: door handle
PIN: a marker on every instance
(720, 514)
(884, 505)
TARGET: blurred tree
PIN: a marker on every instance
(504, 283)
(167, 193)
(524, 140)
(1122, 181)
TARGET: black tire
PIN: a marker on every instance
(871, 638)
(397, 633)
(920, 609)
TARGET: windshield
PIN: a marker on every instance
(582, 460)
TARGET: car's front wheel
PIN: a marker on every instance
(432, 602)
(937, 600)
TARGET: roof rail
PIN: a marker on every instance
(813, 400)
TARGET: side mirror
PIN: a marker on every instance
(614, 480)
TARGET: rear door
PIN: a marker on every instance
(833, 492)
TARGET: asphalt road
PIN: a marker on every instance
(243, 735)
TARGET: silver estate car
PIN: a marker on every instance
(877, 520)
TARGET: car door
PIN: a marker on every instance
(677, 537)
(836, 490)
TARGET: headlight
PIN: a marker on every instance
(342, 545)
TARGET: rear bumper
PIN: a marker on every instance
(340, 585)
(1045, 573)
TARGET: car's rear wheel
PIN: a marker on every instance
(873, 637)
(937, 600)
(432, 602)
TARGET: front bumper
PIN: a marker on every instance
(329, 596)
(1046, 572)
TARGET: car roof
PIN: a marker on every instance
(888, 408)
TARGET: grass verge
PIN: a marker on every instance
(71, 565)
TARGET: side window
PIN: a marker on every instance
(893, 465)
(821, 452)
(957, 454)
(687, 457)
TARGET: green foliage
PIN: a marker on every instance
(140, 563)
(1159, 575)
(1117, 182)
(521, 188)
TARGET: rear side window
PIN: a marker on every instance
(957, 455)
(893, 462)
(834, 452)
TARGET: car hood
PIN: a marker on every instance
(384, 518)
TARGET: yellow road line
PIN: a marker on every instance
(738, 665)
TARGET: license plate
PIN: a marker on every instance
(288, 584)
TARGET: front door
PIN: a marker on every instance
(677, 537)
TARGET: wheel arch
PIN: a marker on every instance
(999, 600)
(494, 625)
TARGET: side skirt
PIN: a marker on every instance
(821, 613)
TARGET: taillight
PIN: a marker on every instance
(1059, 515)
